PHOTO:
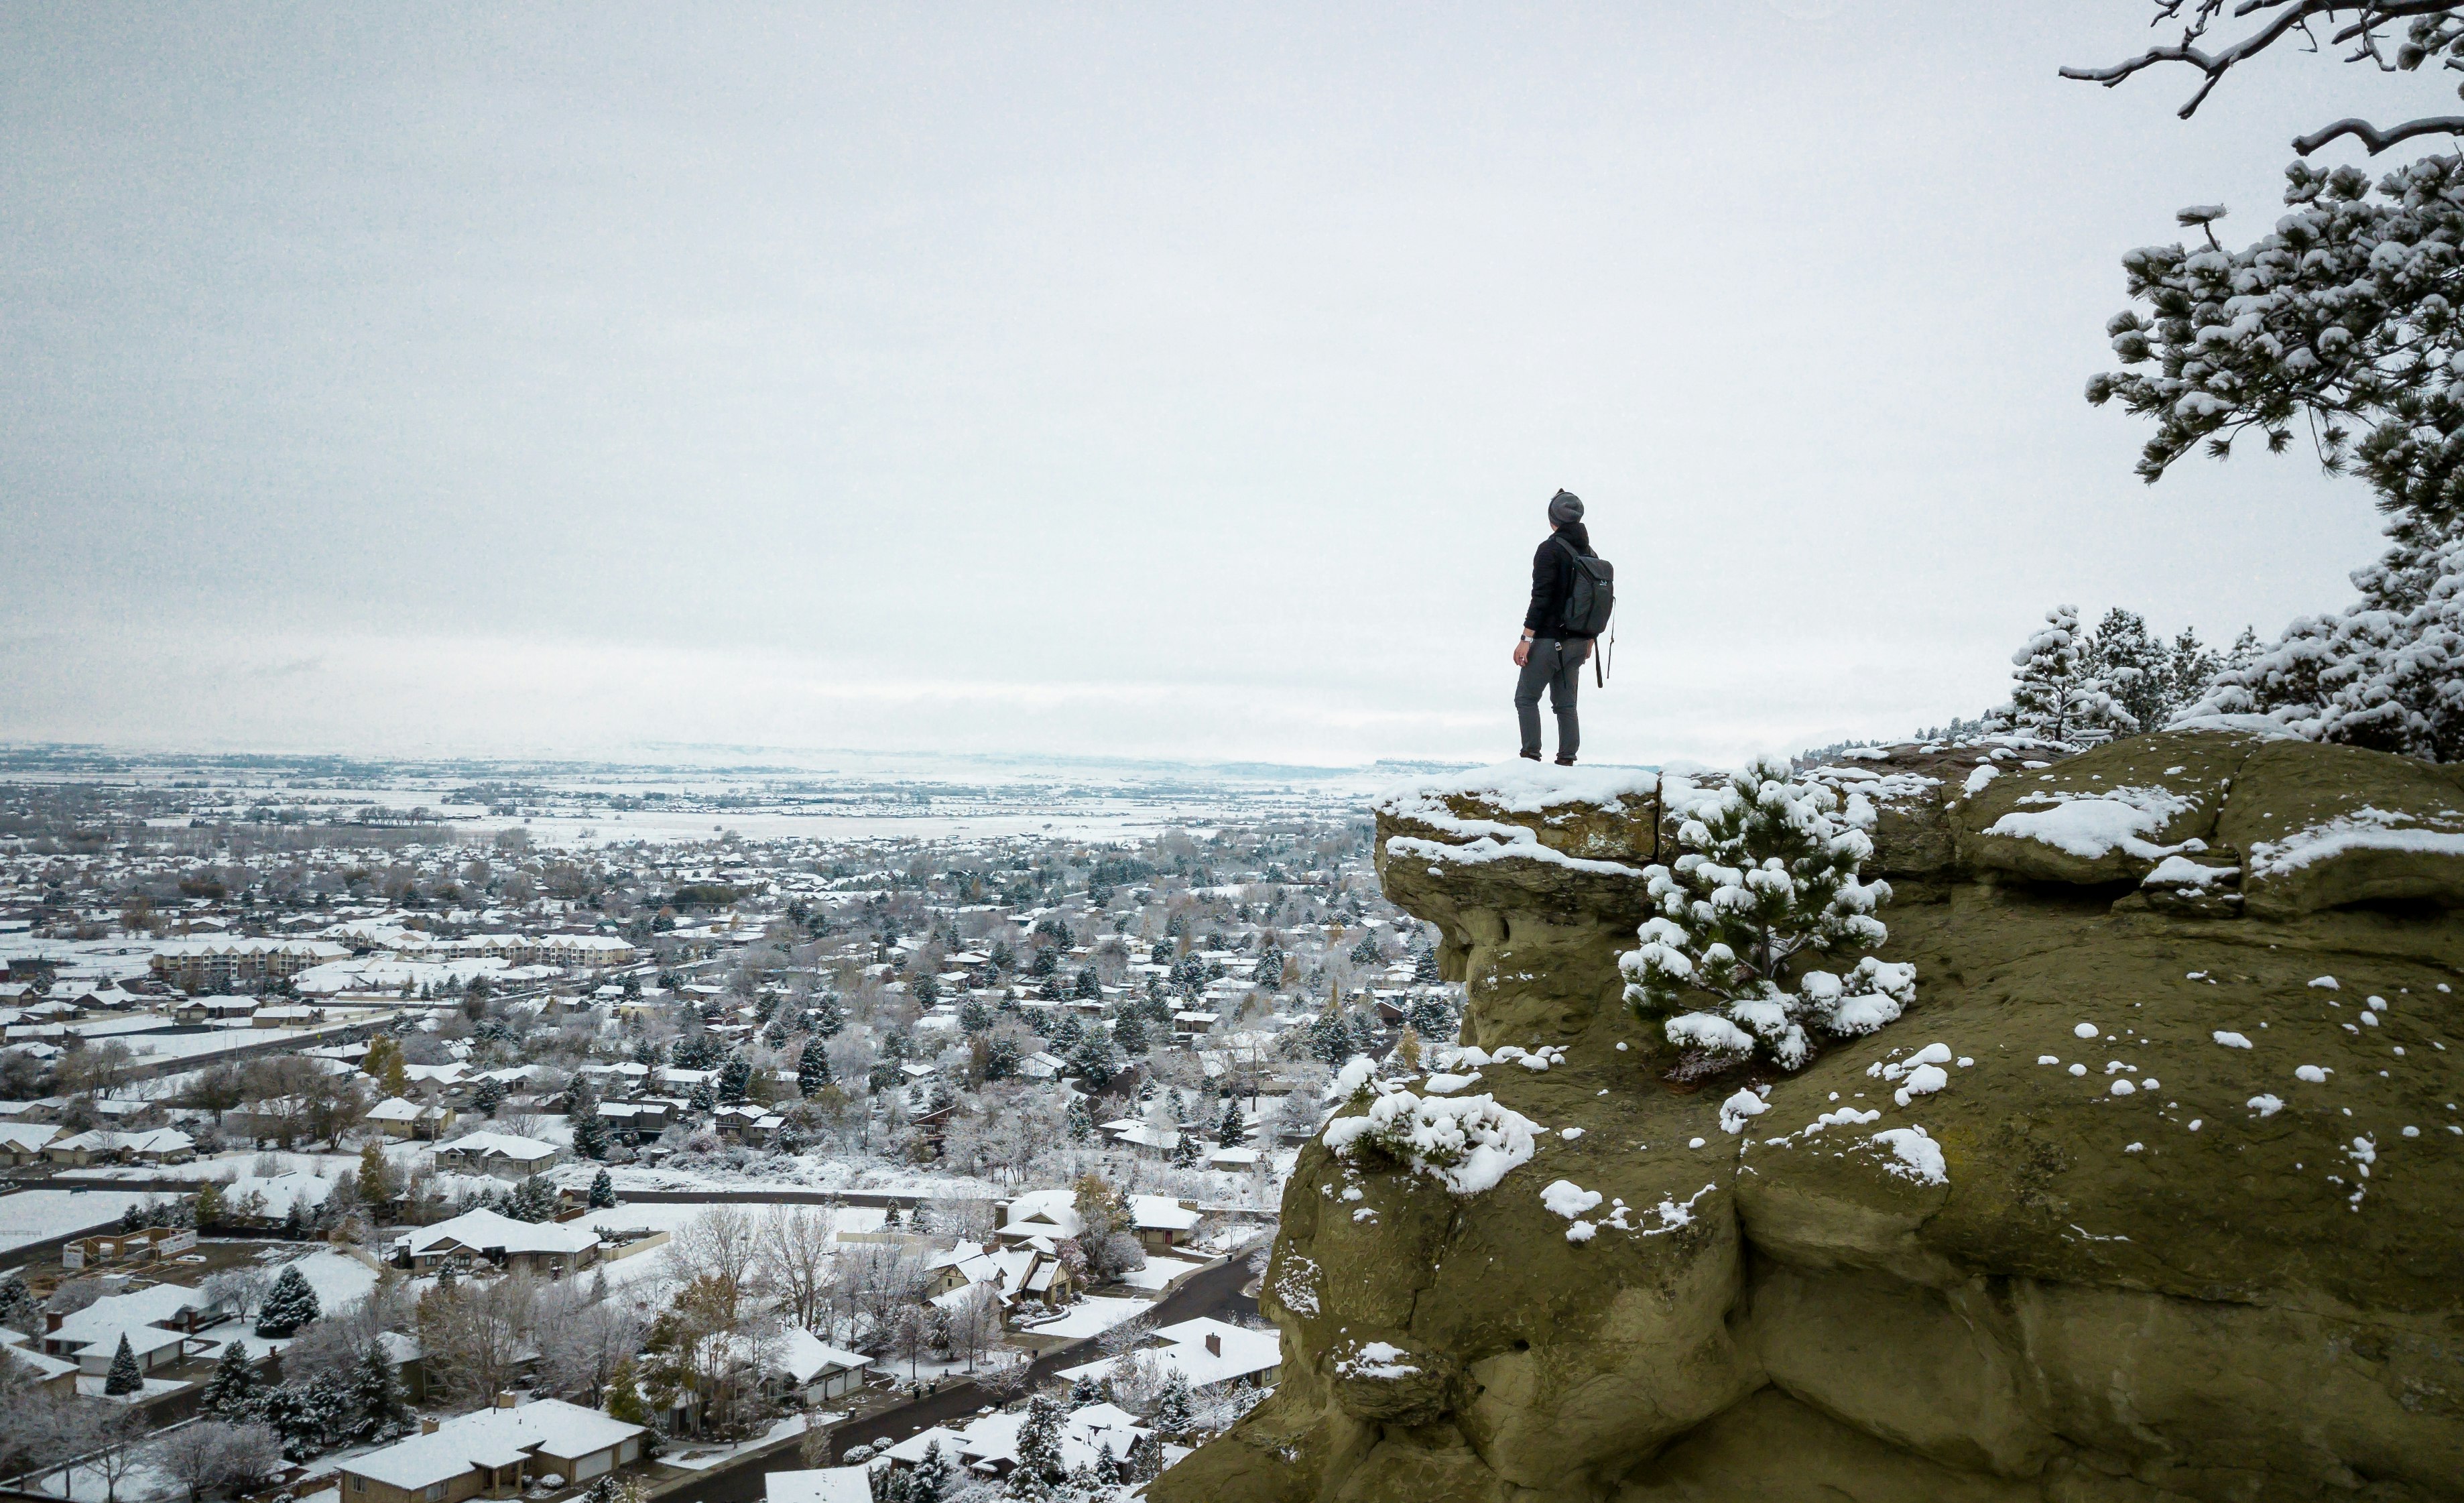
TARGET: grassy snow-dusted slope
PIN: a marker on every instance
(2155, 1191)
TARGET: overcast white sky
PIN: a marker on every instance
(1179, 381)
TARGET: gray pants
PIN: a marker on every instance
(1556, 663)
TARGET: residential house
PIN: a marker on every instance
(988, 1447)
(806, 1367)
(111, 1145)
(1050, 1214)
(1206, 1352)
(207, 1011)
(160, 1323)
(517, 1247)
(399, 1117)
(22, 1143)
(819, 1485)
(500, 1154)
(493, 1452)
(1161, 1223)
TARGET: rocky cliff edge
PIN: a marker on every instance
(2156, 1192)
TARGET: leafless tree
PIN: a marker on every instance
(241, 1291)
(876, 1281)
(796, 1261)
(478, 1333)
(975, 1324)
(116, 1429)
(722, 1244)
(581, 1340)
(911, 1330)
(199, 1455)
(966, 1219)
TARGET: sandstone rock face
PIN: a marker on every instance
(2187, 1220)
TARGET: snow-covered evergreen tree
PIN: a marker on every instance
(1175, 1410)
(603, 1191)
(289, 1304)
(1767, 880)
(705, 1097)
(825, 1017)
(2055, 694)
(2132, 664)
(1039, 1447)
(233, 1389)
(1229, 1131)
(535, 1200)
(734, 1078)
(490, 1096)
(124, 1376)
(933, 1477)
(812, 1067)
(377, 1410)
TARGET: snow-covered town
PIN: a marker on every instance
(394, 1154)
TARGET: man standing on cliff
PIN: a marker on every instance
(1548, 656)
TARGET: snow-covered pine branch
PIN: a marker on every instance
(1768, 878)
(2342, 319)
(2431, 30)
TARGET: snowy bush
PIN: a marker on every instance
(1769, 874)
(1466, 1143)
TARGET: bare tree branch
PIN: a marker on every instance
(2375, 139)
(2369, 16)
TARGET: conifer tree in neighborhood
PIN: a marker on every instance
(1767, 880)
(603, 1191)
(933, 1477)
(589, 1129)
(705, 1095)
(624, 1395)
(16, 1302)
(734, 1078)
(233, 1389)
(378, 1411)
(1082, 1124)
(1174, 1412)
(1230, 1133)
(1270, 971)
(1424, 966)
(535, 1200)
(1184, 1149)
(813, 1067)
(825, 1017)
(124, 1377)
(378, 1185)
(490, 1096)
(1039, 1446)
(1130, 1034)
(2055, 694)
(289, 1304)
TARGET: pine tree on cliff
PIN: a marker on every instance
(2055, 694)
(124, 1377)
(289, 1304)
(1769, 879)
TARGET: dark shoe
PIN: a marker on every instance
(1565, 762)
(1532, 756)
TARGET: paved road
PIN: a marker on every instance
(1214, 1292)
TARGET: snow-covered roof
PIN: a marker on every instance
(489, 1145)
(492, 1438)
(1038, 1212)
(821, 1484)
(1160, 1213)
(804, 1356)
(486, 1231)
(1240, 1353)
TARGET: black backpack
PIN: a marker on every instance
(1591, 594)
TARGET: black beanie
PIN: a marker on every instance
(1565, 507)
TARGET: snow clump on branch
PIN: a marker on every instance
(1768, 874)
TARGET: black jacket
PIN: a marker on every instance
(1553, 579)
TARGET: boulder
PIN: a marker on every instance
(2328, 827)
(2182, 1222)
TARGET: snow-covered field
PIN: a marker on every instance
(35, 1215)
(1093, 1316)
